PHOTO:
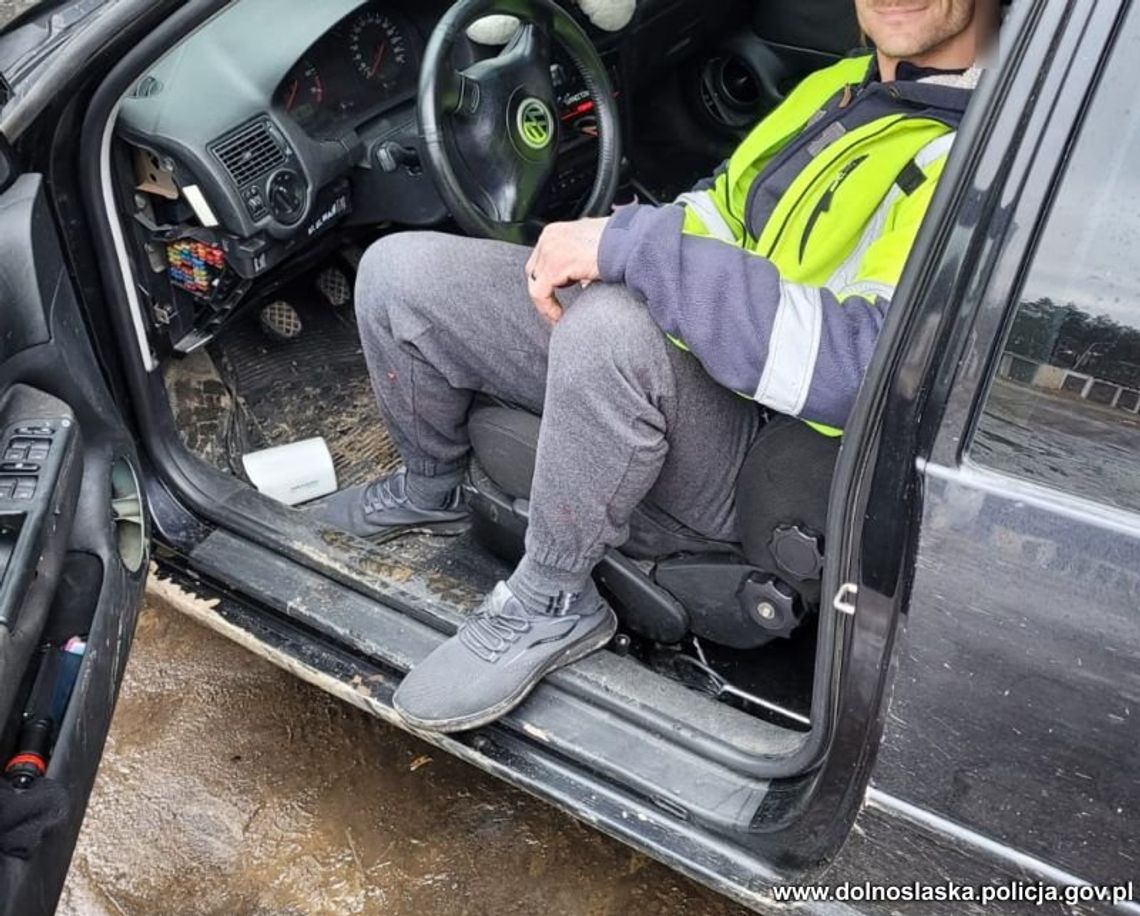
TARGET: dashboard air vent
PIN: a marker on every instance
(730, 92)
(250, 152)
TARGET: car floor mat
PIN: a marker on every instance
(263, 391)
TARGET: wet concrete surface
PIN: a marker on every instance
(228, 786)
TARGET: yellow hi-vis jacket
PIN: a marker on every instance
(777, 272)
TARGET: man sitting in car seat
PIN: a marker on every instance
(635, 336)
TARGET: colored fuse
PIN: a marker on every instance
(193, 265)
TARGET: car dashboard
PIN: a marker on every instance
(232, 113)
(274, 123)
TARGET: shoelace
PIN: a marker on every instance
(490, 635)
(379, 495)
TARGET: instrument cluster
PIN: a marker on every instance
(367, 62)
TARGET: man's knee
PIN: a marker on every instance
(607, 325)
(392, 273)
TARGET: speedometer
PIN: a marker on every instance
(379, 49)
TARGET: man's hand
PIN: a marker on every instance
(566, 253)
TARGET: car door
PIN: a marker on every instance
(73, 550)
(1013, 725)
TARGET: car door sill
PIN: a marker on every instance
(744, 743)
(590, 712)
(512, 754)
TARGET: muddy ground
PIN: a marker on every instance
(230, 787)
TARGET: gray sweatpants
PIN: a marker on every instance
(626, 416)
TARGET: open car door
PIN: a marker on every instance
(73, 553)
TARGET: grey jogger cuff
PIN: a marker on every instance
(423, 467)
(551, 578)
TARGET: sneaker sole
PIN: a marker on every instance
(504, 706)
(437, 529)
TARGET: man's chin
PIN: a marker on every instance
(901, 48)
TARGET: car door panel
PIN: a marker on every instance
(37, 508)
(72, 530)
(1015, 698)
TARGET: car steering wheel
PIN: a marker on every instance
(491, 131)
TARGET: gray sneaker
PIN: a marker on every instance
(382, 507)
(487, 668)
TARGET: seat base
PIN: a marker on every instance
(666, 581)
(499, 522)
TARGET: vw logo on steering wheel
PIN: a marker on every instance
(535, 123)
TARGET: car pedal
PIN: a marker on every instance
(279, 319)
(334, 285)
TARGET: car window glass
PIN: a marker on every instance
(1063, 409)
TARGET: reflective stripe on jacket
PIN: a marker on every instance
(778, 271)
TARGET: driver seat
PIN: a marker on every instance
(667, 581)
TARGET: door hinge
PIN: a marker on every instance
(844, 600)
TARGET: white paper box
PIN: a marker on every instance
(292, 473)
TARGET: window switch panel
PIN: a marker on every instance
(25, 488)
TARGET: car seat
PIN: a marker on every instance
(667, 581)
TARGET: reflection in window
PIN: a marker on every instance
(1064, 407)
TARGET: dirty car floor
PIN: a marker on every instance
(248, 391)
(229, 786)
